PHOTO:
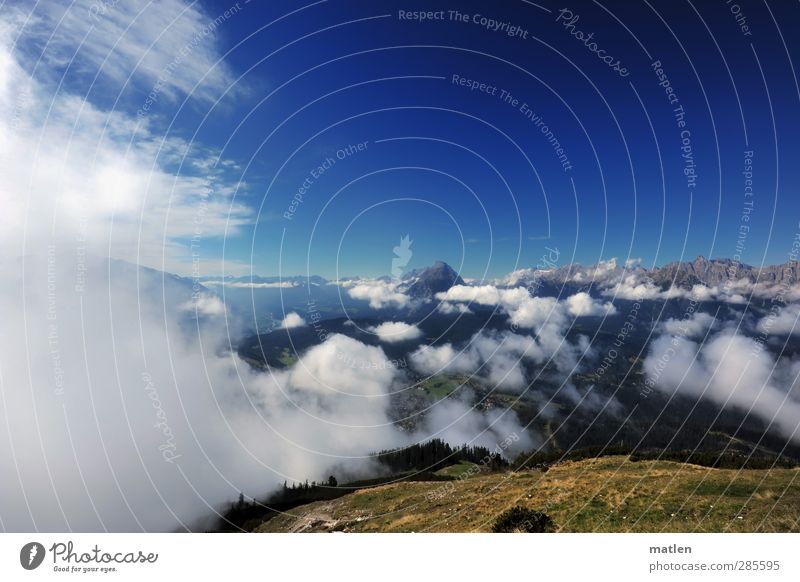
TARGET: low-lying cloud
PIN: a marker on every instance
(128, 410)
(292, 320)
(785, 321)
(525, 310)
(731, 370)
(396, 332)
(380, 294)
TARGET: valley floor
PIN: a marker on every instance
(609, 494)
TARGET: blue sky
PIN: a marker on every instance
(281, 87)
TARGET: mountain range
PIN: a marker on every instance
(427, 281)
(680, 274)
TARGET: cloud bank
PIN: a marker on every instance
(380, 294)
(128, 410)
(731, 370)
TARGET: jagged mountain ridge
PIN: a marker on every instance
(715, 272)
(682, 274)
(425, 282)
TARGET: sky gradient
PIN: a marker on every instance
(486, 133)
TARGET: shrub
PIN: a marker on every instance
(522, 520)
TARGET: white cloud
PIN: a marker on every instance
(695, 326)
(396, 331)
(633, 263)
(167, 48)
(602, 271)
(380, 294)
(785, 321)
(434, 360)
(82, 177)
(498, 358)
(249, 285)
(524, 310)
(292, 320)
(636, 286)
(344, 366)
(205, 304)
(731, 370)
(481, 294)
(116, 383)
(582, 304)
(110, 385)
(518, 278)
(501, 355)
(704, 293)
(448, 308)
(633, 287)
(454, 421)
(107, 379)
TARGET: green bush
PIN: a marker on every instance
(522, 520)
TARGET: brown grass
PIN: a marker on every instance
(610, 494)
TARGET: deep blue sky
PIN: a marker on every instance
(387, 82)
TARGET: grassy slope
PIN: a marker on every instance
(609, 494)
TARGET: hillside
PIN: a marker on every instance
(610, 494)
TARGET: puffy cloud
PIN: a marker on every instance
(695, 326)
(329, 367)
(524, 310)
(480, 294)
(703, 293)
(292, 320)
(582, 304)
(396, 331)
(538, 313)
(633, 287)
(782, 322)
(444, 359)
(205, 304)
(497, 358)
(731, 370)
(380, 294)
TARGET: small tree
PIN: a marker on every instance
(332, 482)
(522, 520)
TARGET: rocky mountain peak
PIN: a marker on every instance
(428, 281)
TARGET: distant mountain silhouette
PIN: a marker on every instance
(426, 282)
